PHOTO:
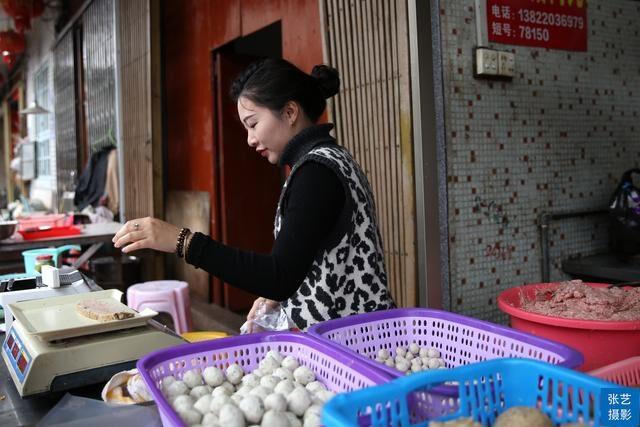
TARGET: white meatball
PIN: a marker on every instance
(312, 421)
(403, 366)
(275, 354)
(261, 391)
(284, 387)
(389, 362)
(273, 418)
(177, 388)
(231, 416)
(304, 375)
(283, 374)
(203, 404)
(258, 372)
(314, 409)
(251, 380)
(298, 401)
(166, 382)
(199, 391)
(252, 408)
(383, 354)
(432, 352)
(325, 395)
(220, 390)
(415, 368)
(293, 419)
(315, 386)
(416, 361)
(276, 401)
(192, 378)
(434, 363)
(268, 365)
(399, 359)
(237, 398)
(269, 381)
(217, 402)
(210, 420)
(441, 362)
(291, 363)
(414, 348)
(213, 376)
(182, 402)
(230, 387)
(424, 353)
(244, 390)
(234, 373)
(190, 416)
(401, 351)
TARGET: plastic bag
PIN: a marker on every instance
(74, 411)
(624, 217)
(126, 388)
(267, 317)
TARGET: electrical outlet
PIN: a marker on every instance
(486, 62)
(506, 64)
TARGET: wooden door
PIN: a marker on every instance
(249, 186)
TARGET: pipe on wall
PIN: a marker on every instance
(544, 220)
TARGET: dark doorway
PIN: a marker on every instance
(248, 186)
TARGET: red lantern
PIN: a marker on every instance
(22, 11)
(8, 59)
(12, 43)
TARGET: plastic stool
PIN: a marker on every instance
(168, 296)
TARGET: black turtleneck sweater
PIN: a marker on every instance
(314, 206)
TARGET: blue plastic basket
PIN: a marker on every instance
(486, 389)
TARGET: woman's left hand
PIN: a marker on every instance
(147, 233)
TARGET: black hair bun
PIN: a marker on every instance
(328, 79)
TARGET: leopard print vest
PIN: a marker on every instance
(350, 277)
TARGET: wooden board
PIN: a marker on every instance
(368, 43)
(189, 209)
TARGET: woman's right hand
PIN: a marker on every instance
(147, 233)
(260, 305)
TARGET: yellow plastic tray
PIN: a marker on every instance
(203, 335)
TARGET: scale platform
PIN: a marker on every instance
(31, 288)
(57, 349)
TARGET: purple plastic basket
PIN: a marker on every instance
(460, 339)
(336, 370)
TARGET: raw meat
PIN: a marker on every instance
(575, 300)
(102, 310)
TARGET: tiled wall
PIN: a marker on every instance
(555, 138)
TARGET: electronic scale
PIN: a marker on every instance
(50, 347)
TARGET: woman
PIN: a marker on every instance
(327, 259)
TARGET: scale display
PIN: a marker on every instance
(17, 355)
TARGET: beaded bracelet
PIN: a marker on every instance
(189, 240)
(180, 243)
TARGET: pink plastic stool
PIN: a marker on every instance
(168, 296)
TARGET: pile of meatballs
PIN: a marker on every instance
(279, 393)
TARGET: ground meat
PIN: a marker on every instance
(575, 300)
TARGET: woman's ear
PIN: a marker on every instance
(291, 112)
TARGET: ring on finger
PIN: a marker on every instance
(136, 226)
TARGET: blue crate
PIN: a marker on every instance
(486, 389)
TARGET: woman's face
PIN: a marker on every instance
(267, 132)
